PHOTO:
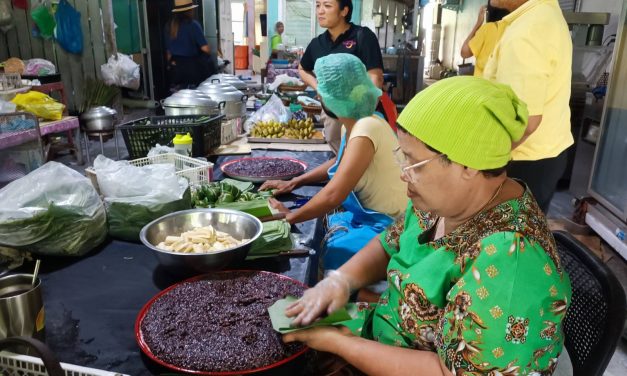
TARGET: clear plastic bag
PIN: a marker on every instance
(273, 110)
(54, 210)
(40, 105)
(122, 71)
(135, 196)
(39, 67)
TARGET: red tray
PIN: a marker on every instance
(146, 350)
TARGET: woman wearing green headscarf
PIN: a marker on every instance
(476, 286)
(363, 178)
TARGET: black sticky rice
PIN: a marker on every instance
(221, 324)
(266, 167)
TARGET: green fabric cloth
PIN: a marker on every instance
(345, 87)
(471, 120)
(275, 41)
(489, 296)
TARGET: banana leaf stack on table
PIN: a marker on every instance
(276, 237)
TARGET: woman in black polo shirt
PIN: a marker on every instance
(341, 36)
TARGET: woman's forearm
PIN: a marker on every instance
(374, 358)
(367, 266)
(308, 77)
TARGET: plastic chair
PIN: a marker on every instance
(596, 316)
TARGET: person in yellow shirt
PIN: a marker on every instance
(277, 38)
(534, 57)
(484, 36)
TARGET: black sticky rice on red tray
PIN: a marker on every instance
(265, 167)
(221, 324)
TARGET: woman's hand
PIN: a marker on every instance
(278, 205)
(327, 296)
(322, 338)
(280, 186)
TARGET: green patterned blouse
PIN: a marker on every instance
(490, 297)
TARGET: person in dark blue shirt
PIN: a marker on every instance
(187, 50)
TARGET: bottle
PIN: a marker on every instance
(183, 144)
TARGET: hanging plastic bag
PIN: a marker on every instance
(6, 16)
(122, 71)
(40, 105)
(273, 110)
(68, 33)
(54, 210)
(44, 20)
(135, 196)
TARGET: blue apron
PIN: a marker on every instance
(351, 230)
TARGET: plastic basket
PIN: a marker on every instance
(195, 171)
(143, 134)
(24, 365)
(10, 81)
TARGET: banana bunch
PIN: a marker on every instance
(295, 129)
(268, 129)
(300, 129)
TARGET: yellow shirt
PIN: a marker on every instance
(380, 187)
(534, 57)
(483, 43)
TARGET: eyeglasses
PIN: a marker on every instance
(409, 171)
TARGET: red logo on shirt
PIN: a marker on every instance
(349, 43)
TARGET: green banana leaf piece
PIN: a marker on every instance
(282, 323)
(243, 186)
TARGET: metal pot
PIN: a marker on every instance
(190, 102)
(234, 103)
(99, 119)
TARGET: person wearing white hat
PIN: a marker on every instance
(187, 50)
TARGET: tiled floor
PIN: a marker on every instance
(561, 207)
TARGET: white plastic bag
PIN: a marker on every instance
(54, 210)
(273, 110)
(122, 71)
(160, 149)
(6, 107)
(135, 196)
(284, 79)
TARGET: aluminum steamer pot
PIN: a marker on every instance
(99, 119)
(190, 102)
(235, 100)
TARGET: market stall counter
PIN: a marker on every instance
(91, 303)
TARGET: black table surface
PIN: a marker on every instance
(92, 302)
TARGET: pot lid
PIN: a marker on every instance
(98, 112)
(190, 98)
(212, 87)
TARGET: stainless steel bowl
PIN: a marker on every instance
(238, 224)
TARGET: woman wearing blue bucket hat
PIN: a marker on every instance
(364, 177)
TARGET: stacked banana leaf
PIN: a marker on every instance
(275, 238)
(232, 194)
